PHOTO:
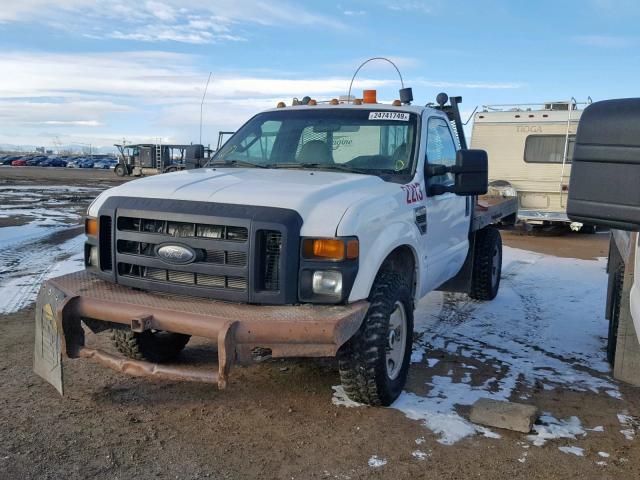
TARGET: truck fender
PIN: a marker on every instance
(376, 252)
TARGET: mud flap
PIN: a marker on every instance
(47, 354)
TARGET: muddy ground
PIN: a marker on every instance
(279, 420)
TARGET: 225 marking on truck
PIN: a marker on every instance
(414, 192)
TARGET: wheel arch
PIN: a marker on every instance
(399, 258)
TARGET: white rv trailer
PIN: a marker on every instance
(530, 147)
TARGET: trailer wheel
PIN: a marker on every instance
(616, 298)
(120, 170)
(487, 264)
(374, 363)
(152, 345)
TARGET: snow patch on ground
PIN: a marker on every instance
(573, 450)
(550, 428)
(341, 400)
(25, 267)
(420, 455)
(604, 454)
(545, 329)
(376, 462)
(630, 425)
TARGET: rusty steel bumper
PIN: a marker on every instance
(238, 329)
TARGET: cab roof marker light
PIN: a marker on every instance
(369, 96)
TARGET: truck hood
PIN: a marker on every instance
(320, 197)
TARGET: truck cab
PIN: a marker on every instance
(312, 232)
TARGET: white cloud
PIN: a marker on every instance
(185, 21)
(100, 97)
(408, 6)
(607, 41)
(354, 13)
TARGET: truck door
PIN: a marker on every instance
(448, 214)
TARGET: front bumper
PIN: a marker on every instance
(238, 329)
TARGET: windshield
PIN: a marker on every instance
(362, 141)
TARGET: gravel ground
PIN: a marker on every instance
(281, 419)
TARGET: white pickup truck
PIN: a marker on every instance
(312, 232)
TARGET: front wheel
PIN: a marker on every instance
(120, 170)
(374, 363)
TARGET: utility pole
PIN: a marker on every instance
(202, 104)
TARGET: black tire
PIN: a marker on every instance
(120, 170)
(614, 321)
(487, 264)
(589, 229)
(362, 361)
(153, 346)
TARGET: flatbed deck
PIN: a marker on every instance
(491, 209)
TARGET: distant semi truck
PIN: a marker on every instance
(151, 158)
(530, 147)
(605, 190)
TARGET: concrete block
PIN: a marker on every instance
(509, 415)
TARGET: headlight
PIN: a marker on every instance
(327, 282)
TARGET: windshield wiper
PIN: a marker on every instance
(322, 166)
(236, 163)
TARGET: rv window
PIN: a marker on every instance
(547, 148)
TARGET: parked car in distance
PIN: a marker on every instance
(19, 163)
(9, 159)
(35, 161)
(86, 163)
(54, 162)
(102, 164)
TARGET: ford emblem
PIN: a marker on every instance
(173, 253)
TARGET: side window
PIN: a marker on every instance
(548, 148)
(258, 150)
(440, 148)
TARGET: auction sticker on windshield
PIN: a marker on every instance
(402, 116)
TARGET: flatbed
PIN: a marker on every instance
(491, 209)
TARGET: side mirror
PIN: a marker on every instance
(471, 174)
(604, 188)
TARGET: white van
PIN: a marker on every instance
(530, 147)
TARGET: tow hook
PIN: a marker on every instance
(141, 323)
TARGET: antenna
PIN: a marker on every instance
(405, 93)
(202, 104)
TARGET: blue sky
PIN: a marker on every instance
(95, 71)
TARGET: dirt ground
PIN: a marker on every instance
(276, 420)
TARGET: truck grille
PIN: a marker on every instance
(220, 267)
(183, 229)
(271, 265)
(105, 232)
(239, 253)
(184, 278)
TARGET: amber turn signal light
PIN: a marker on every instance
(330, 248)
(91, 226)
